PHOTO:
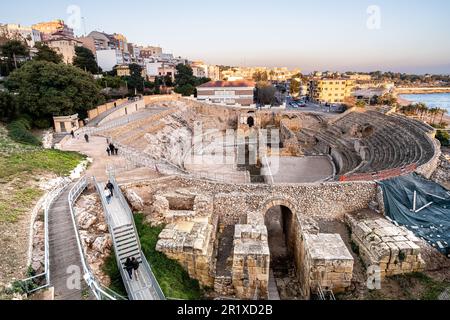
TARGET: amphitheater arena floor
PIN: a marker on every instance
(301, 169)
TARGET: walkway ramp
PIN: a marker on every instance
(127, 245)
(64, 254)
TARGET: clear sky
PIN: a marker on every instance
(312, 35)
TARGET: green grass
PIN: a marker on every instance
(431, 288)
(111, 269)
(31, 162)
(173, 279)
(20, 168)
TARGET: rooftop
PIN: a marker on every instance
(228, 84)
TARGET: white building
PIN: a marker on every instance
(28, 34)
(213, 73)
(108, 59)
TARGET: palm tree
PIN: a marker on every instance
(443, 112)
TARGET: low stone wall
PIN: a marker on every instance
(327, 262)
(94, 113)
(125, 109)
(430, 167)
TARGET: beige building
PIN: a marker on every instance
(227, 92)
(47, 29)
(330, 90)
(64, 46)
(148, 52)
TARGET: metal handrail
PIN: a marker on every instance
(47, 204)
(97, 289)
(154, 282)
(113, 236)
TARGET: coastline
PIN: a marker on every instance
(424, 90)
(404, 102)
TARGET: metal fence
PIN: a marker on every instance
(43, 279)
(156, 288)
(100, 292)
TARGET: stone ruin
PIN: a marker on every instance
(395, 250)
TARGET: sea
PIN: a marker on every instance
(432, 100)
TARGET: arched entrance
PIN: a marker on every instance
(279, 220)
(251, 122)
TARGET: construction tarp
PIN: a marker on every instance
(428, 216)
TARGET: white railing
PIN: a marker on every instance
(51, 197)
(157, 292)
(100, 292)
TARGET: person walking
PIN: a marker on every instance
(110, 187)
(86, 137)
(116, 151)
(129, 267)
(136, 265)
(112, 148)
(109, 151)
(108, 195)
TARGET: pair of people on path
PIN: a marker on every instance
(109, 192)
(132, 265)
(112, 150)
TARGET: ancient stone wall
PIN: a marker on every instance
(251, 262)
(430, 167)
(380, 243)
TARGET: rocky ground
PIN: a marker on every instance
(94, 233)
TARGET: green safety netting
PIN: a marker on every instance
(432, 221)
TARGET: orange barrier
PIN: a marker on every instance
(380, 175)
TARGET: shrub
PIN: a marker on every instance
(18, 130)
(42, 123)
(443, 137)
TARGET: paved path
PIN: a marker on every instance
(96, 149)
(64, 252)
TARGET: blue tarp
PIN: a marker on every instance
(432, 223)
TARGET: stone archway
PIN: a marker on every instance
(280, 217)
(251, 122)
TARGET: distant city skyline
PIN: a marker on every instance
(322, 35)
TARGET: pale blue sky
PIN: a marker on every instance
(311, 35)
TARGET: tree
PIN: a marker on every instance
(443, 137)
(443, 113)
(135, 80)
(186, 90)
(111, 82)
(260, 76)
(85, 60)
(45, 89)
(45, 53)
(265, 93)
(295, 87)
(7, 106)
(14, 51)
(184, 76)
(360, 104)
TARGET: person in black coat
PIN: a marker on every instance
(129, 267)
(110, 186)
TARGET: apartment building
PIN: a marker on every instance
(64, 46)
(149, 52)
(48, 29)
(108, 59)
(330, 90)
(16, 31)
(227, 92)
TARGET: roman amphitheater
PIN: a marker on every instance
(267, 204)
